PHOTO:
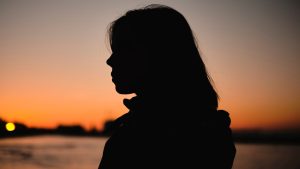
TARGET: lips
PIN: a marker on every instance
(113, 75)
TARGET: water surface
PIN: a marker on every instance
(60, 152)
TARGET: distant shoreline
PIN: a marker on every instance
(240, 136)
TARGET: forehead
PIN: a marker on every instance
(121, 35)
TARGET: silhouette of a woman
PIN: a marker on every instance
(173, 121)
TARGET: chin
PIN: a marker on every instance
(124, 90)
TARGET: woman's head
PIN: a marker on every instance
(154, 52)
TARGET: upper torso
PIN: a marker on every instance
(145, 143)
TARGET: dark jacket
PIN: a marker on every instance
(142, 141)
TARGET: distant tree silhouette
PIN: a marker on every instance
(70, 130)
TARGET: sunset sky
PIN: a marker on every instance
(53, 53)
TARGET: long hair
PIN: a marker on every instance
(172, 54)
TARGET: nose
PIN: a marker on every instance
(109, 61)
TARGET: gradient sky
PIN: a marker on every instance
(53, 53)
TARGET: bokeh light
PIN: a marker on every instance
(10, 126)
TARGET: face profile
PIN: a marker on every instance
(173, 121)
(128, 64)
